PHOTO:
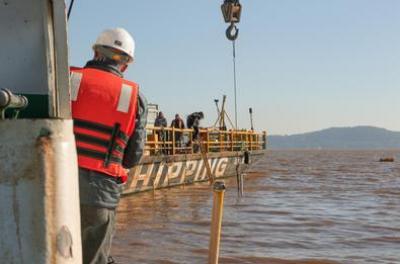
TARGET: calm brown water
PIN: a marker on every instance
(299, 207)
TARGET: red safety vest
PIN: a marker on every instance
(104, 110)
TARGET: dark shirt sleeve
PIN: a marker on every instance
(135, 147)
(157, 122)
(164, 123)
(189, 121)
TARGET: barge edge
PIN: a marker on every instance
(164, 171)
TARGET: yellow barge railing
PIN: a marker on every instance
(174, 141)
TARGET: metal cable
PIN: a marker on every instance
(239, 177)
(235, 82)
(70, 8)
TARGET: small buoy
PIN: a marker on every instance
(387, 159)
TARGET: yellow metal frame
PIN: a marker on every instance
(212, 140)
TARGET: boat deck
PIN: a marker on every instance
(173, 141)
(168, 162)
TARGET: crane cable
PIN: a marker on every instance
(234, 34)
(239, 176)
(231, 10)
(235, 82)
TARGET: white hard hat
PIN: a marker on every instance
(119, 39)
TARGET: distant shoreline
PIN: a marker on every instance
(332, 149)
(339, 138)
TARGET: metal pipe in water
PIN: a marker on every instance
(216, 221)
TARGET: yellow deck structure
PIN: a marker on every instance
(163, 140)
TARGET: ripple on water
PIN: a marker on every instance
(300, 207)
(265, 260)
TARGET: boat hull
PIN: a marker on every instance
(155, 172)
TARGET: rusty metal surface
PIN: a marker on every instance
(30, 208)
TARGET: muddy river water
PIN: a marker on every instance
(304, 207)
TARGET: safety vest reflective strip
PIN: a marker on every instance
(76, 78)
(104, 109)
(124, 98)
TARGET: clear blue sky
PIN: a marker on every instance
(302, 65)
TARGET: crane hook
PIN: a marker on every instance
(232, 32)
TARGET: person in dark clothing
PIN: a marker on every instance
(100, 189)
(193, 121)
(161, 122)
(179, 124)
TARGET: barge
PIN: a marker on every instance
(168, 163)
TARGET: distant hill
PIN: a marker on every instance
(360, 137)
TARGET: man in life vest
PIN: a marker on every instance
(109, 125)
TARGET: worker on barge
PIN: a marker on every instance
(179, 124)
(193, 121)
(109, 125)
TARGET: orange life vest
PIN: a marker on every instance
(104, 110)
